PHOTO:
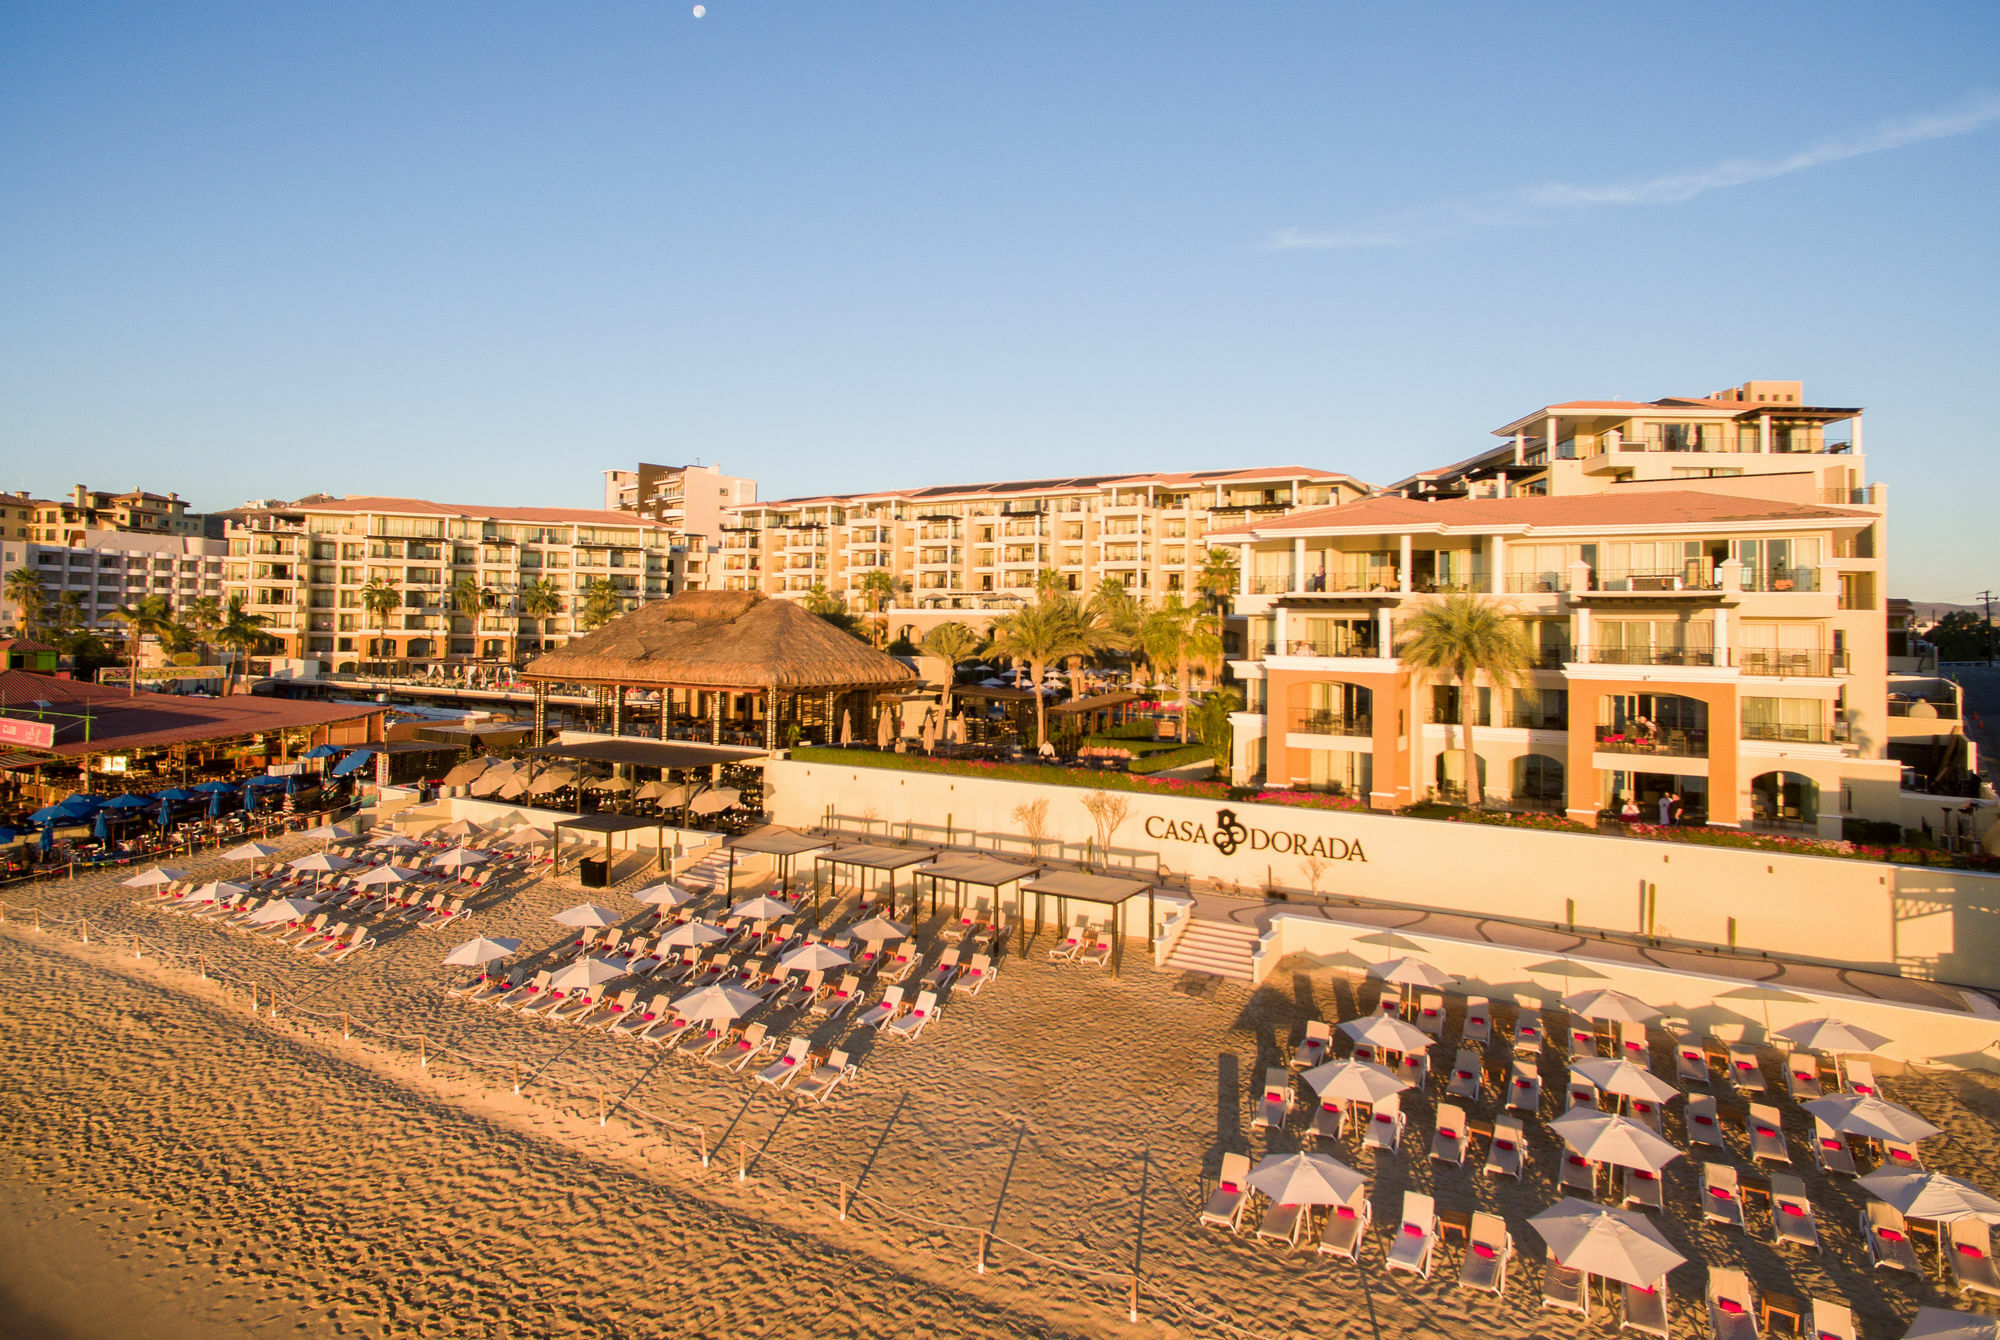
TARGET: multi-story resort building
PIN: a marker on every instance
(979, 547)
(303, 568)
(107, 569)
(1700, 580)
(88, 509)
(689, 500)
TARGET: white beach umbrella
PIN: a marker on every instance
(1353, 1082)
(159, 874)
(716, 1002)
(664, 895)
(384, 875)
(393, 842)
(330, 833)
(527, 835)
(282, 909)
(319, 863)
(1618, 1244)
(1603, 1137)
(584, 974)
(653, 790)
(459, 857)
(555, 779)
(512, 788)
(216, 890)
(761, 908)
(1305, 1179)
(715, 800)
(814, 958)
(1831, 1035)
(691, 933)
(1389, 1033)
(1872, 1117)
(1937, 1323)
(482, 950)
(250, 851)
(877, 929)
(460, 828)
(1925, 1195)
(1411, 972)
(1612, 1006)
(587, 914)
(465, 773)
(491, 781)
(1623, 1077)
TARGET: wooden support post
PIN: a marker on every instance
(742, 1162)
(38, 919)
(423, 1052)
(843, 1202)
(201, 966)
(344, 1031)
(253, 998)
(517, 1079)
(982, 1254)
(138, 949)
(84, 924)
(1132, 1311)
(600, 1105)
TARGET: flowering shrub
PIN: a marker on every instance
(1106, 751)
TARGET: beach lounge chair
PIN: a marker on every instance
(358, 939)
(1430, 1013)
(1528, 1032)
(626, 1015)
(1902, 1157)
(1690, 1060)
(445, 915)
(1478, 1021)
(581, 1006)
(1316, 1046)
(703, 1039)
(805, 993)
(1488, 1249)
(1721, 1196)
(1831, 1321)
(1524, 1088)
(1767, 1135)
(1070, 946)
(734, 1054)
(497, 988)
(1792, 1212)
(1284, 1222)
(1888, 1238)
(1645, 1309)
(1449, 1142)
(1582, 1039)
(1578, 1176)
(974, 979)
(1329, 1120)
(1390, 1002)
(667, 1030)
(1633, 1043)
(820, 1081)
(1275, 1103)
(902, 965)
(1504, 1151)
(1232, 1193)
(1565, 1290)
(1746, 1071)
(1830, 1148)
(1415, 1243)
(1861, 1077)
(1732, 1305)
(1385, 1125)
(1347, 1226)
(1640, 1189)
(883, 1010)
(942, 972)
(1467, 1073)
(543, 1003)
(1802, 1076)
(331, 933)
(788, 1067)
(1098, 954)
(1969, 1249)
(1580, 1092)
(1704, 1125)
(912, 1025)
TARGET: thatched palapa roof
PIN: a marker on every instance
(734, 640)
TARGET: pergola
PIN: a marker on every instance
(984, 872)
(1068, 886)
(725, 664)
(865, 858)
(607, 826)
(787, 844)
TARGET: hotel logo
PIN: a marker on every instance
(1230, 835)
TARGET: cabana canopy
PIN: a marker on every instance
(863, 856)
(787, 844)
(984, 872)
(1068, 886)
(608, 825)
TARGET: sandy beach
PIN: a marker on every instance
(175, 1164)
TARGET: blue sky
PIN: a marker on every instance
(481, 253)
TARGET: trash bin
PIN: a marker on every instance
(596, 872)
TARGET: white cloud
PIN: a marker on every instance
(1539, 203)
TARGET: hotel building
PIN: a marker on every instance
(689, 500)
(302, 567)
(89, 509)
(105, 569)
(979, 547)
(1700, 581)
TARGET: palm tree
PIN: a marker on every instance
(830, 607)
(176, 638)
(1049, 582)
(1218, 578)
(201, 617)
(28, 596)
(600, 602)
(1117, 615)
(379, 597)
(1208, 722)
(468, 598)
(539, 601)
(1179, 634)
(144, 616)
(240, 631)
(951, 643)
(878, 588)
(1051, 629)
(1461, 637)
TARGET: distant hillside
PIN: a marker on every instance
(1928, 612)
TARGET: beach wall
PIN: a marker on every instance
(1920, 922)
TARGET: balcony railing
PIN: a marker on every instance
(1333, 723)
(1323, 646)
(1818, 733)
(1942, 711)
(1662, 741)
(1781, 579)
(1656, 579)
(1537, 583)
(1860, 497)
(1686, 656)
(1802, 664)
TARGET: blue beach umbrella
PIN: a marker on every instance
(176, 794)
(216, 788)
(320, 751)
(127, 803)
(165, 818)
(48, 840)
(102, 832)
(84, 798)
(48, 815)
(74, 808)
(215, 804)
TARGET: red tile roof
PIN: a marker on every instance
(422, 507)
(120, 720)
(1665, 508)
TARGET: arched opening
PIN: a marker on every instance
(1784, 800)
(1538, 781)
(419, 648)
(1451, 774)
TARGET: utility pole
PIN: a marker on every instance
(1986, 598)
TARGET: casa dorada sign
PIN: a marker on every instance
(1229, 835)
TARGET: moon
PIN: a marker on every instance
(700, 10)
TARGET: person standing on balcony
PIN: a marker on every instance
(1667, 801)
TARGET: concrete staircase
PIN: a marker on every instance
(1218, 948)
(709, 874)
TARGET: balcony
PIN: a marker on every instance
(1537, 583)
(1333, 723)
(1682, 656)
(1779, 733)
(1659, 742)
(1920, 707)
(1861, 497)
(1322, 646)
(1637, 580)
(1781, 579)
(1791, 664)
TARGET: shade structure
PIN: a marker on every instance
(878, 928)
(714, 800)
(330, 833)
(1389, 1033)
(1926, 1195)
(1412, 972)
(159, 874)
(460, 857)
(1621, 1245)
(490, 782)
(527, 835)
(319, 863)
(761, 909)
(691, 933)
(481, 950)
(1603, 1137)
(586, 973)
(1622, 1077)
(282, 909)
(551, 780)
(610, 785)
(1872, 1117)
(384, 875)
(212, 787)
(393, 842)
(1937, 1323)
(127, 803)
(587, 914)
(1353, 1082)
(1611, 1006)
(814, 958)
(250, 851)
(666, 894)
(1831, 1035)
(1305, 1179)
(459, 828)
(466, 773)
(716, 1002)
(217, 890)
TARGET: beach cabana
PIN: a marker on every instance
(984, 872)
(606, 827)
(785, 844)
(1068, 886)
(728, 666)
(866, 859)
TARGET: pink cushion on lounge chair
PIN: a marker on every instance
(1461, 1074)
(1576, 1162)
(1889, 1234)
(1864, 1090)
(1902, 1155)
(1644, 1176)
(1829, 1144)
(1503, 1144)
(1642, 1107)
(1704, 1121)
(1481, 1249)
(1329, 1107)
(1788, 1208)
(1720, 1193)
(1729, 1305)
(1385, 1119)
(1344, 1212)
(1412, 1231)
(1229, 1187)
(1766, 1130)
(1967, 1249)
(1447, 1134)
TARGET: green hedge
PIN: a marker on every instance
(1131, 730)
(1175, 756)
(1013, 772)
